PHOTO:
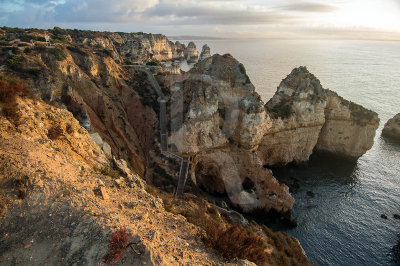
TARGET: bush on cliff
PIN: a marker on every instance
(16, 61)
(153, 63)
(10, 88)
(59, 54)
(236, 242)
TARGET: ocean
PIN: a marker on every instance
(339, 223)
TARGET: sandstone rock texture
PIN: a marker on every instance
(232, 136)
(191, 54)
(205, 52)
(392, 128)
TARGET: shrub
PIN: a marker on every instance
(76, 49)
(106, 170)
(55, 132)
(11, 86)
(236, 242)
(59, 54)
(34, 71)
(128, 62)
(107, 52)
(117, 243)
(153, 63)
(16, 61)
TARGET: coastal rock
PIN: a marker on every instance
(392, 128)
(349, 129)
(232, 136)
(297, 116)
(223, 118)
(191, 54)
(205, 52)
(306, 118)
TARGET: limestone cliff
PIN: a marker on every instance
(232, 136)
(191, 53)
(205, 52)
(307, 117)
(61, 199)
(392, 128)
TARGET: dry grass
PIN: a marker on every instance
(230, 240)
(10, 88)
(55, 132)
(236, 242)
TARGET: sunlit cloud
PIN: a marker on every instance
(212, 17)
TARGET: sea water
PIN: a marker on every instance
(339, 223)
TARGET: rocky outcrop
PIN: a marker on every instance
(349, 129)
(222, 119)
(205, 52)
(392, 128)
(191, 54)
(232, 136)
(306, 117)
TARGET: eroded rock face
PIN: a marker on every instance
(224, 119)
(349, 129)
(232, 136)
(392, 128)
(205, 52)
(297, 116)
(191, 53)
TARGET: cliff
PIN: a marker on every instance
(391, 129)
(191, 53)
(233, 137)
(306, 118)
(205, 52)
(80, 146)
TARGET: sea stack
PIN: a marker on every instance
(191, 53)
(205, 52)
(392, 128)
(233, 137)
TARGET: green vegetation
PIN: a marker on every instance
(282, 110)
(128, 62)
(59, 34)
(59, 54)
(16, 61)
(106, 170)
(153, 63)
(76, 49)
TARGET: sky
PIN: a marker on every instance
(284, 19)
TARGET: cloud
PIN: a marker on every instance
(309, 7)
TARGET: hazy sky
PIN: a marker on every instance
(359, 19)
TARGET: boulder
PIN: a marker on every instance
(392, 128)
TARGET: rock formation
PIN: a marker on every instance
(61, 200)
(392, 128)
(205, 52)
(191, 53)
(306, 117)
(232, 136)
